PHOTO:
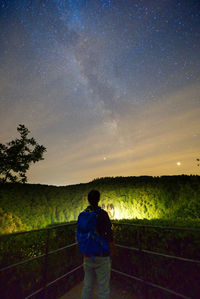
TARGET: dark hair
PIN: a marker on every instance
(94, 197)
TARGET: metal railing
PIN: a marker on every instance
(45, 284)
(140, 250)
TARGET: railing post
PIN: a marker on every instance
(142, 259)
(146, 288)
(46, 265)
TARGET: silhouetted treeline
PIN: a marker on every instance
(27, 207)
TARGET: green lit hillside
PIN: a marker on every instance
(26, 207)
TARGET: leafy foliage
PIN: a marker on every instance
(17, 155)
(27, 207)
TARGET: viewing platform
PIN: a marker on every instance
(50, 265)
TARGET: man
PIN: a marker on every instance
(100, 264)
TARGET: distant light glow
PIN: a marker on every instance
(125, 214)
(178, 163)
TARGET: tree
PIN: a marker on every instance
(17, 155)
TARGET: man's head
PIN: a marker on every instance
(94, 197)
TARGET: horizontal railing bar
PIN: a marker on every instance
(52, 282)
(128, 275)
(160, 254)
(115, 223)
(21, 263)
(64, 275)
(37, 257)
(62, 248)
(36, 292)
(151, 284)
(157, 226)
(38, 230)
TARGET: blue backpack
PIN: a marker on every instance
(89, 241)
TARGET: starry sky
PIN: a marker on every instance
(110, 88)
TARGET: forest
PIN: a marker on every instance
(31, 206)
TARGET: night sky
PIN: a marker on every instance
(110, 88)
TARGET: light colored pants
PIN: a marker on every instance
(101, 269)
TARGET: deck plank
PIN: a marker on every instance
(116, 292)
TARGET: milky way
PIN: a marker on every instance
(111, 88)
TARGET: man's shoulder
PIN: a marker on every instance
(102, 211)
(103, 214)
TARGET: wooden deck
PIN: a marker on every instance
(117, 292)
